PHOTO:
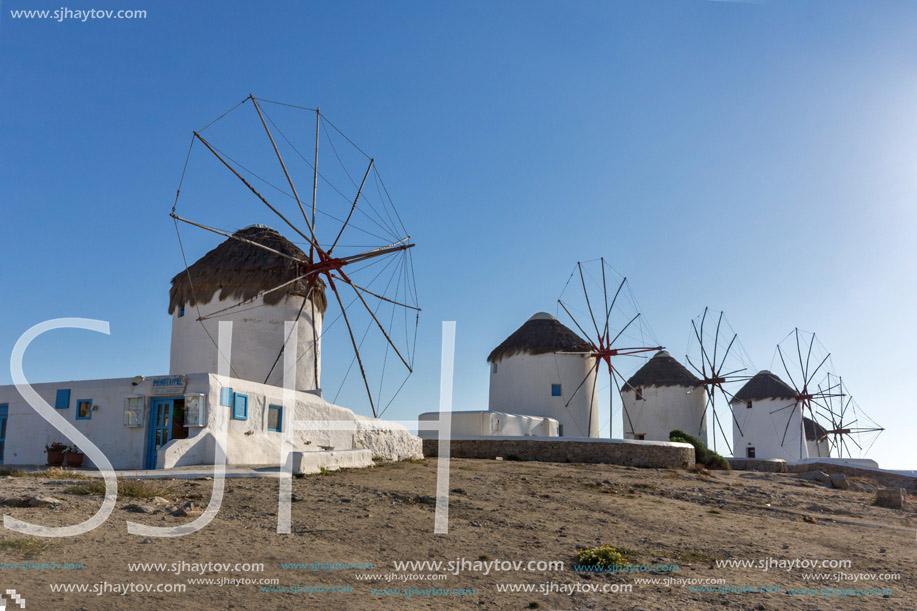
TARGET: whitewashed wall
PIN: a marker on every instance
(248, 441)
(491, 424)
(521, 385)
(765, 431)
(818, 449)
(257, 337)
(27, 433)
(664, 409)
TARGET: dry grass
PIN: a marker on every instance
(127, 488)
(695, 556)
(52, 473)
(24, 548)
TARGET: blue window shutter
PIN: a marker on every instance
(275, 412)
(240, 407)
(63, 399)
(226, 397)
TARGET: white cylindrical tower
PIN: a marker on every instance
(545, 369)
(817, 445)
(661, 397)
(229, 283)
(768, 420)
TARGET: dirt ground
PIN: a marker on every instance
(671, 525)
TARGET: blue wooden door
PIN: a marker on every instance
(160, 428)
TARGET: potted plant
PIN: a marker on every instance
(55, 451)
(73, 457)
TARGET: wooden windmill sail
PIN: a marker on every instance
(353, 251)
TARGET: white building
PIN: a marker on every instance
(230, 279)
(545, 369)
(817, 445)
(165, 421)
(661, 397)
(480, 423)
(768, 420)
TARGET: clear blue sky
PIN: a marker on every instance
(755, 157)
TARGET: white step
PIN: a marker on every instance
(306, 463)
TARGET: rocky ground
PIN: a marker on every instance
(498, 511)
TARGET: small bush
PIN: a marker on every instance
(604, 555)
(702, 454)
(142, 489)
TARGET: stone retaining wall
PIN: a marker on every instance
(576, 450)
(884, 478)
(770, 465)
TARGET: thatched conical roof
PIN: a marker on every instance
(765, 385)
(541, 334)
(663, 370)
(239, 271)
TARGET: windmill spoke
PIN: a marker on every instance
(283, 347)
(252, 189)
(817, 368)
(703, 417)
(805, 374)
(256, 297)
(630, 422)
(592, 369)
(611, 343)
(780, 409)
(575, 322)
(593, 397)
(785, 368)
(716, 419)
(605, 296)
(314, 347)
(613, 301)
(716, 341)
(726, 353)
(356, 350)
(240, 239)
(378, 252)
(588, 303)
(799, 354)
(283, 166)
(691, 363)
(353, 207)
(788, 421)
(369, 292)
(703, 351)
(728, 396)
(318, 118)
(379, 325)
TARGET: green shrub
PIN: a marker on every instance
(604, 555)
(702, 454)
